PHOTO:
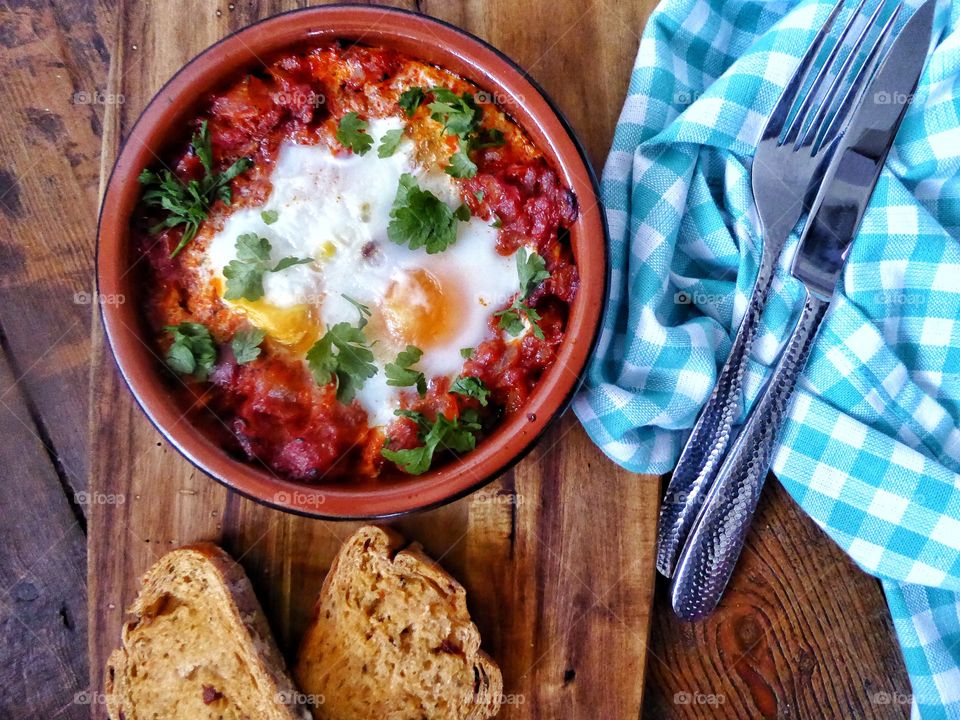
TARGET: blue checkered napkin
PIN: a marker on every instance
(871, 449)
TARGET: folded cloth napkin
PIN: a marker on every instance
(871, 449)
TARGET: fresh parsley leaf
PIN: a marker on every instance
(389, 143)
(421, 219)
(479, 195)
(457, 435)
(193, 351)
(458, 113)
(361, 308)
(189, 203)
(466, 353)
(410, 100)
(461, 116)
(533, 317)
(252, 248)
(532, 270)
(245, 274)
(400, 374)
(461, 166)
(351, 133)
(511, 319)
(414, 461)
(203, 148)
(471, 387)
(243, 281)
(497, 223)
(269, 216)
(246, 345)
(343, 356)
(290, 262)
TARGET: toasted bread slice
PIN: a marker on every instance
(199, 647)
(392, 639)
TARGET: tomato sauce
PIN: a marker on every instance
(271, 410)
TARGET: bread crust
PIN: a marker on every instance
(246, 621)
(406, 560)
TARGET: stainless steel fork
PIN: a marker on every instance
(797, 143)
(713, 546)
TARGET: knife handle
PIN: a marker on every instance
(708, 440)
(714, 545)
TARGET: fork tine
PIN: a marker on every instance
(788, 98)
(813, 128)
(800, 117)
(851, 98)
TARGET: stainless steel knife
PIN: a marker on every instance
(713, 547)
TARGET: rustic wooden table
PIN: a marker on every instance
(802, 633)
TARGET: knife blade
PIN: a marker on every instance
(713, 547)
(839, 207)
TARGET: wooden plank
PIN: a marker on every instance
(801, 630)
(55, 62)
(556, 556)
(43, 664)
(48, 187)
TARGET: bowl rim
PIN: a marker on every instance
(496, 469)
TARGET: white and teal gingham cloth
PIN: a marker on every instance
(871, 449)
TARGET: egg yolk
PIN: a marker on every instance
(296, 326)
(292, 326)
(418, 310)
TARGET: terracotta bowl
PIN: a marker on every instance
(163, 120)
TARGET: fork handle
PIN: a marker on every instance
(708, 440)
(714, 545)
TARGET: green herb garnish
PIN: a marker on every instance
(421, 219)
(389, 143)
(351, 133)
(269, 216)
(458, 113)
(461, 117)
(410, 100)
(511, 319)
(246, 345)
(461, 166)
(343, 356)
(400, 374)
(245, 274)
(457, 435)
(466, 353)
(364, 310)
(532, 269)
(189, 203)
(471, 387)
(193, 351)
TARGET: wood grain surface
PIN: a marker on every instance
(556, 555)
(799, 634)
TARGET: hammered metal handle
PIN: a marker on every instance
(714, 545)
(701, 456)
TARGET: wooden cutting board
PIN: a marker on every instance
(556, 555)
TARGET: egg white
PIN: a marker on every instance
(335, 209)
